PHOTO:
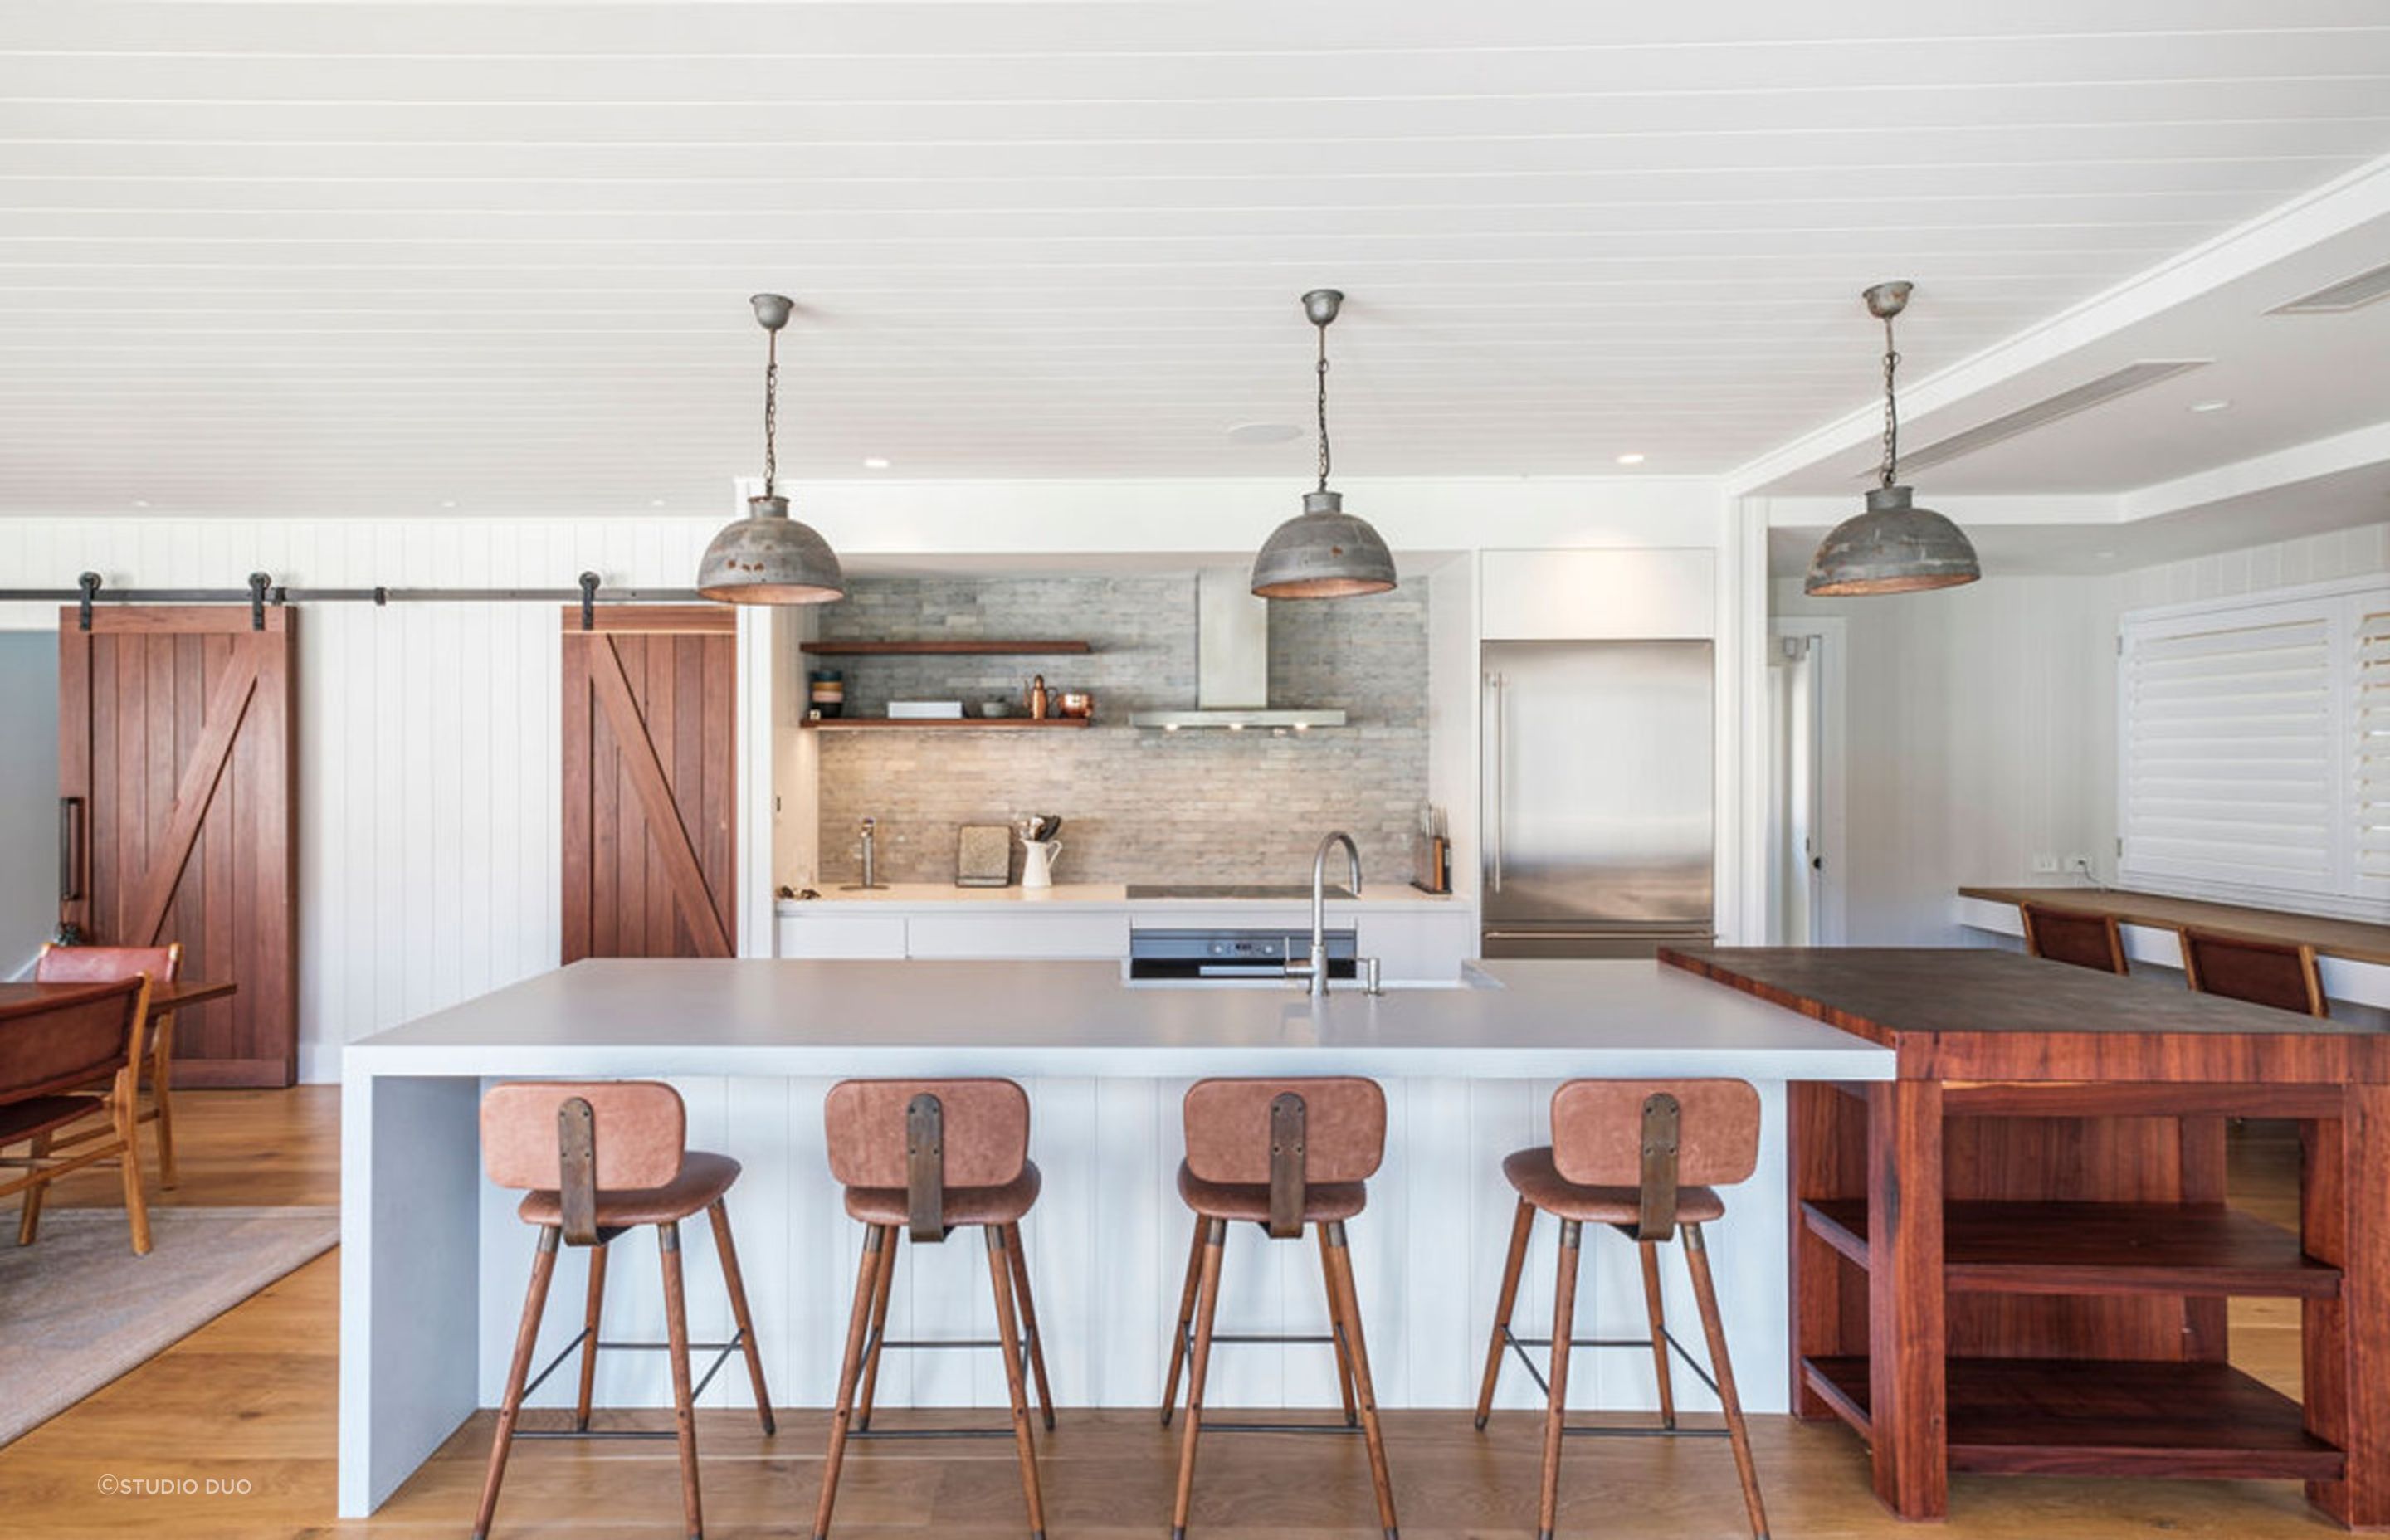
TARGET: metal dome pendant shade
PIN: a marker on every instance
(769, 558)
(1894, 546)
(1323, 551)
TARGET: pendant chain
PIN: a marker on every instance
(1891, 409)
(1323, 408)
(771, 411)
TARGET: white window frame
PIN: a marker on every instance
(2351, 896)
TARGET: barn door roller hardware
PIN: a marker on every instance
(262, 590)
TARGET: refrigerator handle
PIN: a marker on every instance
(1495, 683)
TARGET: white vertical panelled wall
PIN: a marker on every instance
(428, 733)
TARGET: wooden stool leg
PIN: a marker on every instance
(1007, 1333)
(1657, 1315)
(1336, 1333)
(877, 1335)
(1563, 1324)
(1186, 1318)
(589, 1313)
(736, 1283)
(1033, 1340)
(128, 1129)
(161, 1073)
(1213, 1234)
(1697, 1262)
(1348, 1301)
(867, 1284)
(1522, 1226)
(29, 1208)
(543, 1267)
(684, 1400)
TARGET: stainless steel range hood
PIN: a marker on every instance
(1232, 664)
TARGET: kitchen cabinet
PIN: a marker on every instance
(832, 934)
(984, 936)
(1648, 595)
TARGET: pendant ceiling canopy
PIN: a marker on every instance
(1893, 547)
(1323, 551)
(769, 558)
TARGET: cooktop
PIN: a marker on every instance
(1281, 891)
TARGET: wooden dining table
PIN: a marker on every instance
(164, 998)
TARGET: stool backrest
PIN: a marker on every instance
(1229, 1128)
(66, 1040)
(1597, 1131)
(74, 964)
(2073, 936)
(637, 1130)
(2281, 974)
(924, 1137)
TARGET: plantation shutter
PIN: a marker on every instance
(2369, 740)
(2234, 760)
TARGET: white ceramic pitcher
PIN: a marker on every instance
(1038, 858)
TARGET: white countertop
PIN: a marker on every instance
(1092, 896)
(1526, 1021)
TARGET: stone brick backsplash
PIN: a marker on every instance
(1139, 806)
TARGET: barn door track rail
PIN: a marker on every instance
(263, 590)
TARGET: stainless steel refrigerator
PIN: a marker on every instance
(1597, 823)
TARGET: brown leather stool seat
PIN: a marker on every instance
(594, 1160)
(703, 1178)
(919, 1160)
(1322, 1204)
(1641, 1156)
(1003, 1204)
(1539, 1182)
(1287, 1155)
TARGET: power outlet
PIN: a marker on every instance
(2080, 866)
(2045, 865)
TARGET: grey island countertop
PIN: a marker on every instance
(1503, 1021)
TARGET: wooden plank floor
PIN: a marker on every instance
(250, 1398)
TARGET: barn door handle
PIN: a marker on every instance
(70, 835)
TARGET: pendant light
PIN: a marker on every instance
(769, 558)
(1323, 551)
(1894, 546)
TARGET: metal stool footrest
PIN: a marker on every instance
(1519, 1345)
(877, 1344)
(720, 1351)
(1245, 1339)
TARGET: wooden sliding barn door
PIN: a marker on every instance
(649, 782)
(179, 788)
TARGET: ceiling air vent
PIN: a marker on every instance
(2348, 294)
(2065, 403)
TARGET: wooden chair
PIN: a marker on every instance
(1642, 1157)
(926, 1158)
(1286, 1155)
(2073, 936)
(66, 965)
(2278, 974)
(50, 1051)
(599, 1158)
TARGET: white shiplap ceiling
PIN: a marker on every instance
(375, 258)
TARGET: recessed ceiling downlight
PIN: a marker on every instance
(2218, 405)
(1264, 432)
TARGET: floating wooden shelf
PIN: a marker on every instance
(988, 648)
(2062, 1417)
(2027, 1248)
(998, 723)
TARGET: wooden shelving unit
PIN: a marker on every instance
(951, 723)
(961, 648)
(2055, 1416)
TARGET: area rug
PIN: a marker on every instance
(77, 1308)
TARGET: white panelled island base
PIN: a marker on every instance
(434, 1262)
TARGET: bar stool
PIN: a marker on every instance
(1282, 1154)
(599, 1158)
(1620, 1151)
(2278, 974)
(930, 1157)
(2073, 936)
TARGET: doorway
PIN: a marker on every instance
(29, 798)
(1805, 782)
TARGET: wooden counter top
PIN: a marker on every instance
(2356, 940)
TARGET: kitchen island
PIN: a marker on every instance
(433, 1260)
(2014, 1257)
